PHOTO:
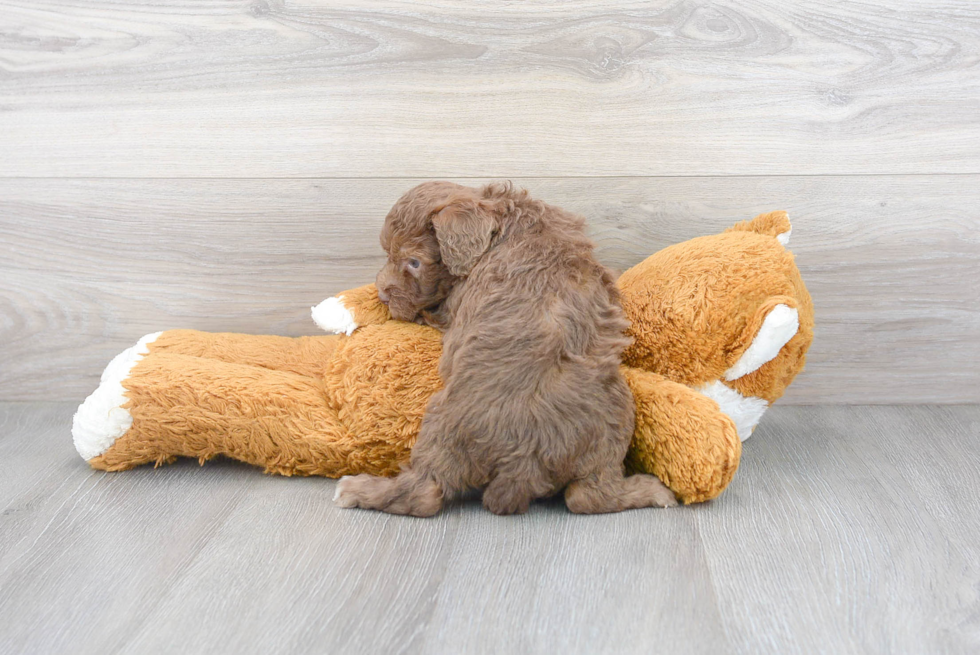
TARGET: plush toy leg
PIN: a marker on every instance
(681, 437)
(307, 356)
(192, 407)
(187, 405)
(101, 419)
(350, 310)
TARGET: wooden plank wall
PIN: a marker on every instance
(223, 165)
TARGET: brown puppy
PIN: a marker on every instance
(534, 401)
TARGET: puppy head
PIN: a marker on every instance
(433, 235)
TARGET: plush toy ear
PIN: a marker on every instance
(775, 224)
(465, 228)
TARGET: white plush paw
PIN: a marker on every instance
(331, 316)
(745, 411)
(101, 419)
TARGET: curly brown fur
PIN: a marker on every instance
(534, 401)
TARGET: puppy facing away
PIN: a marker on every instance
(533, 399)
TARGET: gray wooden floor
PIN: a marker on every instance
(847, 529)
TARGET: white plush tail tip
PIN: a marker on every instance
(331, 316)
(101, 419)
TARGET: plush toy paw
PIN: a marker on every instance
(744, 411)
(351, 310)
(332, 316)
(102, 419)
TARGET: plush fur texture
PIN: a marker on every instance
(339, 405)
(308, 406)
(534, 400)
(718, 291)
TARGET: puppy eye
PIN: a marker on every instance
(414, 263)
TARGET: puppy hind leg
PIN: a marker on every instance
(512, 490)
(611, 492)
(410, 492)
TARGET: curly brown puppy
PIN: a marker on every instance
(534, 401)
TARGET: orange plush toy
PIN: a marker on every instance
(720, 326)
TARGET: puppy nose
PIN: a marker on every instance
(383, 296)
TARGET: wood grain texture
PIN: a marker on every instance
(89, 266)
(264, 88)
(840, 529)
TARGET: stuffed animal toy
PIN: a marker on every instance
(720, 326)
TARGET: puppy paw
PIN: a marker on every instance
(653, 492)
(503, 503)
(331, 316)
(664, 498)
(345, 494)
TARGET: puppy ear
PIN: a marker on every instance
(465, 229)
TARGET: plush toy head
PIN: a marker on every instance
(726, 314)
